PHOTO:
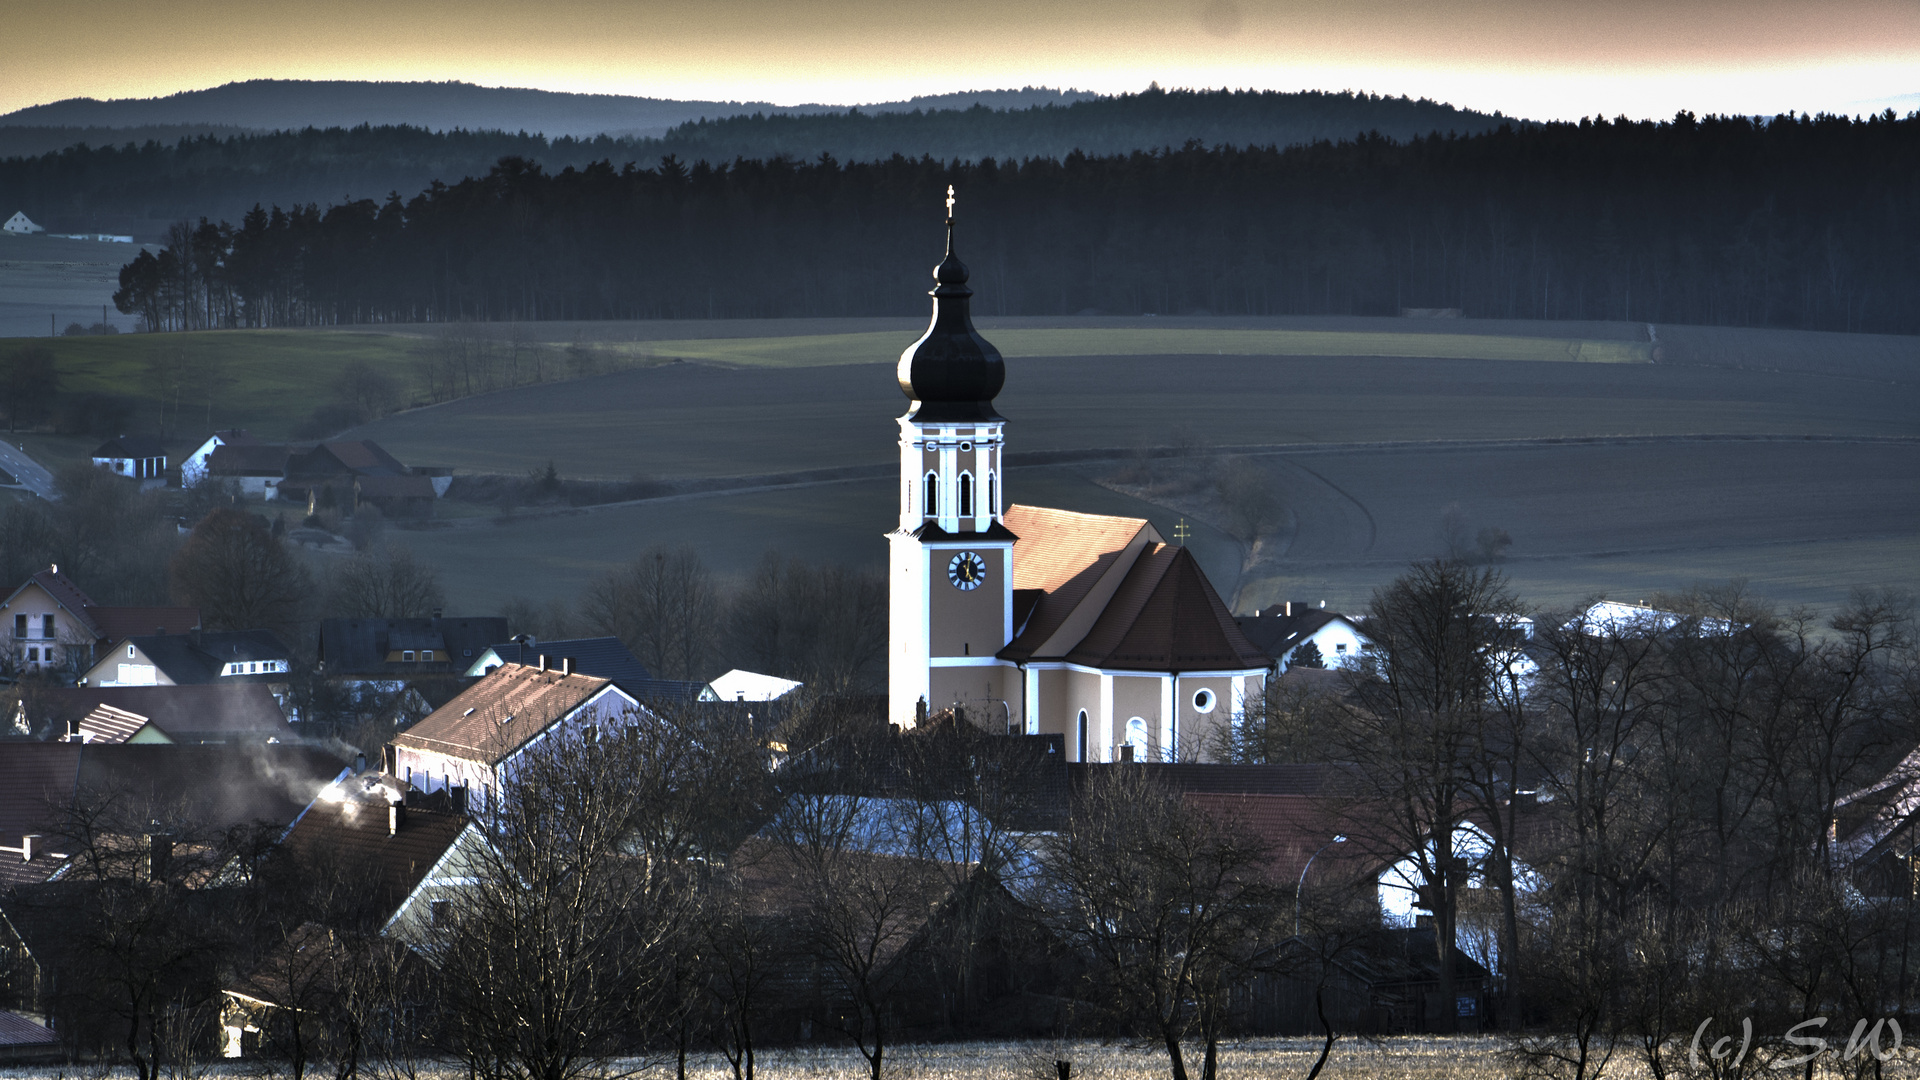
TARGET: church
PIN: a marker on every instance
(1049, 621)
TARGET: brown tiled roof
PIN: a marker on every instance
(116, 623)
(1166, 617)
(362, 455)
(497, 715)
(355, 837)
(1062, 555)
(204, 709)
(248, 459)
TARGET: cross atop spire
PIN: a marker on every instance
(949, 204)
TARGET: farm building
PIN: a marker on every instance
(1038, 620)
(20, 225)
(193, 467)
(138, 456)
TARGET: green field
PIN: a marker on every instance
(1805, 521)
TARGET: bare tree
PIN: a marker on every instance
(1168, 905)
(385, 584)
(824, 626)
(555, 959)
(239, 575)
(664, 606)
(1417, 712)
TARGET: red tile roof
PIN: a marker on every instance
(1063, 555)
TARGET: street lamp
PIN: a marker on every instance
(1337, 839)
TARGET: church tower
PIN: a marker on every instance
(951, 564)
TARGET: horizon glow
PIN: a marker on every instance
(1556, 60)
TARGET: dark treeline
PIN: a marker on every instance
(1797, 221)
(138, 188)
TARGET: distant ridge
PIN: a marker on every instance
(293, 104)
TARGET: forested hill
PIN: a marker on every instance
(138, 189)
(1811, 222)
(292, 104)
(1117, 125)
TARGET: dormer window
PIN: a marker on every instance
(406, 656)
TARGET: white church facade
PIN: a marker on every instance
(1047, 621)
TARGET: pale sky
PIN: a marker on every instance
(1541, 59)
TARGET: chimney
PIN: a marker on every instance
(396, 817)
(159, 854)
(359, 763)
(566, 665)
(26, 846)
(457, 799)
(543, 661)
(1289, 611)
(73, 731)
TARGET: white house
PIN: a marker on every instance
(1399, 891)
(20, 225)
(471, 742)
(1281, 630)
(138, 456)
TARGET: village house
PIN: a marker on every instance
(243, 712)
(1281, 630)
(54, 628)
(393, 652)
(20, 225)
(470, 743)
(195, 658)
(140, 457)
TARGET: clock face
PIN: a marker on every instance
(967, 571)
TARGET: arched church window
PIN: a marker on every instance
(993, 502)
(1137, 737)
(933, 495)
(966, 494)
(1083, 735)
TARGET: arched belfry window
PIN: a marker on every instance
(1083, 735)
(966, 494)
(993, 501)
(933, 495)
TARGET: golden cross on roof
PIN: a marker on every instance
(1181, 532)
(949, 202)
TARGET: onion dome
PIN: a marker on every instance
(952, 373)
